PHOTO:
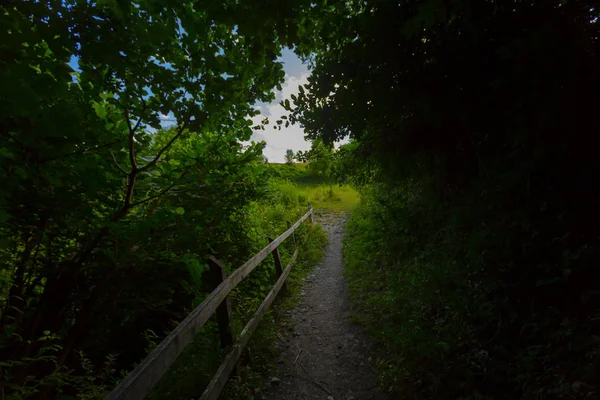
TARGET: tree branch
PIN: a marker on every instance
(165, 147)
(128, 194)
(131, 139)
(116, 163)
(167, 189)
(163, 191)
(130, 185)
(131, 152)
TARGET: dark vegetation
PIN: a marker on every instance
(474, 252)
(189, 375)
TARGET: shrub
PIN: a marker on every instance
(458, 306)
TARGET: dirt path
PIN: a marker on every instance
(325, 356)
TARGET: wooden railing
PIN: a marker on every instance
(138, 383)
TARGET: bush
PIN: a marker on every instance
(262, 219)
(459, 308)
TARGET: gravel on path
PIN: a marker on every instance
(325, 356)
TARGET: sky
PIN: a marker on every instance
(278, 141)
(292, 137)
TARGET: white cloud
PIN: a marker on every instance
(292, 137)
(167, 120)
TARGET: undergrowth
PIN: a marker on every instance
(461, 311)
(192, 371)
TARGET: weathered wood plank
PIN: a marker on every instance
(249, 266)
(219, 380)
(138, 383)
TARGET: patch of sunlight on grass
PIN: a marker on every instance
(331, 197)
(298, 181)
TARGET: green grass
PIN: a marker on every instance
(335, 198)
(297, 180)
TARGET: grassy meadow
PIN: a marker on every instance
(298, 181)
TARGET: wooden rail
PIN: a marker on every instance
(138, 383)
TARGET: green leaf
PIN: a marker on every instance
(4, 152)
(180, 210)
(100, 109)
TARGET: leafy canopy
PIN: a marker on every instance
(121, 173)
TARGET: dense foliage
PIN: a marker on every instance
(268, 217)
(475, 250)
(106, 214)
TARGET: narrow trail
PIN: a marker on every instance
(324, 356)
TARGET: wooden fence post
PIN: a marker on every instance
(278, 265)
(289, 225)
(226, 336)
(311, 214)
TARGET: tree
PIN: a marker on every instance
(474, 132)
(289, 156)
(320, 158)
(301, 156)
(95, 194)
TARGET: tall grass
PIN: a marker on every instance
(194, 368)
(321, 195)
